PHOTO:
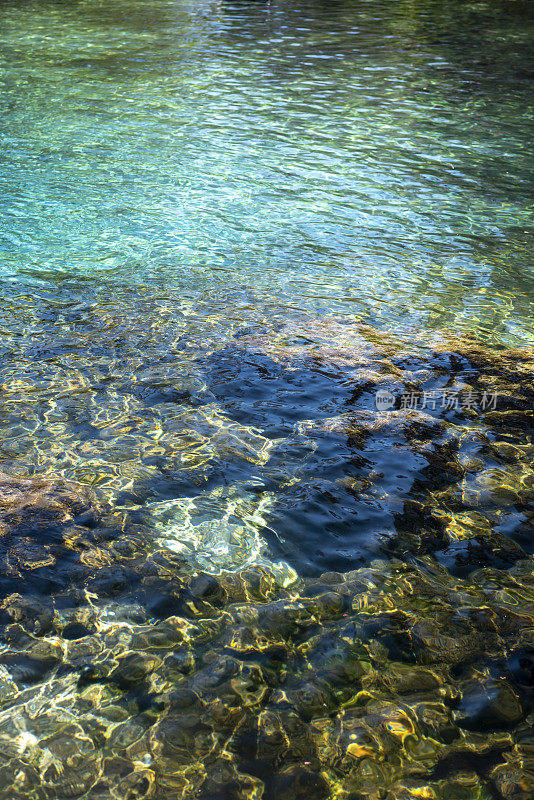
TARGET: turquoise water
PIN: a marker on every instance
(225, 572)
(368, 157)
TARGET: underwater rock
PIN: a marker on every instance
(514, 778)
(133, 668)
(26, 670)
(488, 705)
(37, 503)
(273, 694)
(402, 672)
(309, 699)
(206, 587)
(298, 783)
(223, 782)
(405, 679)
(137, 785)
(35, 614)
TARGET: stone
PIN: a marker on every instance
(298, 783)
(133, 669)
(35, 614)
(491, 704)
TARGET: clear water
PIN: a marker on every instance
(368, 157)
(224, 574)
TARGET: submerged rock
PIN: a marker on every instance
(403, 671)
(133, 668)
(29, 503)
(35, 614)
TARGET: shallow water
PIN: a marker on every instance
(225, 226)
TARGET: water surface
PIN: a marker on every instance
(224, 226)
(368, 156)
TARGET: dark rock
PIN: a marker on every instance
(93, 673)
(133, 669)
(30, 503)
(75, 630)
(490, 705)
(312, 699)
(206, 587)
(26, 670)
(35, 614)
(180, 662)
(298, 783)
